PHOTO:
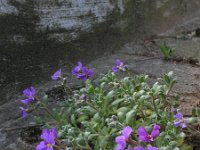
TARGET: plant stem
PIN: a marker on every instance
(154, 105)
(47, 110)
(93, 107)
(64, 84)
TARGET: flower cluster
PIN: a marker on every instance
(180, 121)
(119, 66)
(81, 72)
(123, 139)
(48, 137)
(104, 108)
(29, 93)
(145, 137)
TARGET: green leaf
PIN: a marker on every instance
(194, 113)
(123, 109)
(121, 116)
(116, 102)
(130, 117)
(82, 118)
(103, 142)
(110, 94)
(92, 136)
(73, 120)
(81, 142)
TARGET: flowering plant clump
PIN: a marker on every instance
(114, 113)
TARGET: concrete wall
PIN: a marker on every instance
(66, 20)
(70, 16)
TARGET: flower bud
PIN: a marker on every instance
(45, 97)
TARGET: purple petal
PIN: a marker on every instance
(45, 133)
(54, 132)
(27, 101)
(178, 116)
(139, 148)
(32, 91)
(142, 134)
(81, 76)
(49, 136)
(184, 125)
(56, 75)
(152, 148)
(23, 112)
(120, 140)
(83, 97)
(79, 64)
(84, 69)
(126, 132)
(76, 70)
(119, 63)
(42, 146)
(114, 69)
(177, 123)
(29, 92)
(90, 73)
(156, 131)
(156, 127)
(120, 147)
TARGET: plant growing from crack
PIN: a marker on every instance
(113, 113)
(166, 50)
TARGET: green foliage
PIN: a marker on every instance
(166, 50)
(114, 103)
(196, 112)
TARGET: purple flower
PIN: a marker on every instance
(180, 121)
(30, 94)
(174, 110)
(145, 137)
(77, 69)
(119, 66)
(85, 74)
(148, 148)
(82, 72)
(48, 139)
(122, 139)
(56, 75)
(23, 112)
(83, 97)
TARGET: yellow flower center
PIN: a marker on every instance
(182, 120)
(49, 145)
